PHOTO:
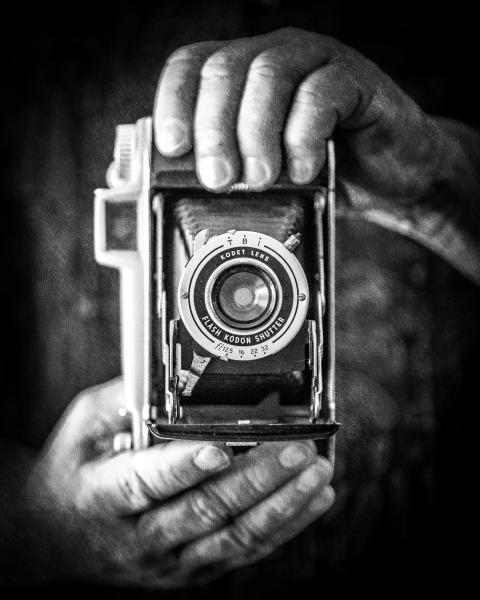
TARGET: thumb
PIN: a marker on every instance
(132, 482)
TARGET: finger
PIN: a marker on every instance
(206, 569)
(260, 530)
(221, 84)
(317, 507)
(175, 100)
(132, 482)
(324, 99)
(253, 477)
(220, 91)
(271, 81)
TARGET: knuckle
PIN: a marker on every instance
(264, 144)
(267, 65)
(250, 132)
(131, 488)
(183, 54)
(317, 87)
(215, 142)
(219, 65)
(300, 138)
(260, 137)
(168, 477)
(310, 98)
(256, 479)
(208, 134)
(281, 510)
(241, 538)
(252, 556)
(312, 92)
(207, 509)
(252, 142)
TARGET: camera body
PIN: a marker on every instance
(227, 300)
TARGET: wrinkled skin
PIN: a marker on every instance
(240, 103)
(174, 514)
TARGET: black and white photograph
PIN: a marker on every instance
(240, 299)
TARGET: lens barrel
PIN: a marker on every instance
(244, 296)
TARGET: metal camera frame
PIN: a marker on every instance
(130, 189)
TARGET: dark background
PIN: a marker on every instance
(408, 331)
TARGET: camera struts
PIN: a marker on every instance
(198, 366)
(227, 301)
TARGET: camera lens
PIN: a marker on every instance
(244, 296)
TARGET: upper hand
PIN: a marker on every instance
(240, 103)
(170, 515)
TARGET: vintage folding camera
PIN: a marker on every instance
(227, 300)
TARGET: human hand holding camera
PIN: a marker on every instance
(170, 515)
(182, 512)
(241, 103)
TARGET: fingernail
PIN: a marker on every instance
(292, 456)
(211, 458)
(214, 172)
(256, 172)
(171, 136)
(309, 479)
(301, 170)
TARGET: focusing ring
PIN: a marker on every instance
(286, 298)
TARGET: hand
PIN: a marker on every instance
(238, 103)
(170, 515)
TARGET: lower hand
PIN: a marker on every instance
(170, 515)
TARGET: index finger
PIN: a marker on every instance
(259, 531)
(176, 95)
(254, 476)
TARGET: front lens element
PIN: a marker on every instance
(244, 296)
